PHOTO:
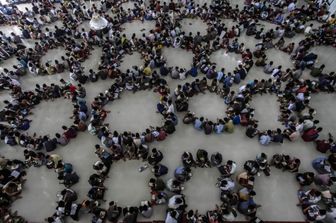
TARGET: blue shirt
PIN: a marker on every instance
(82, 116)
(219, 128)
(198, 124)
(236, 78)
(227, 81)
(220, 75)
(193, 71)
(265, 140)
(236, 120)
(243, 206)
(179, 170)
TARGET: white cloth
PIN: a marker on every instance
(98, 23)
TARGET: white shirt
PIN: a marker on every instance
(173, 33)
(233, 168)
(15, 82)
(182, 75)
(229, 186)
(331, 213)
(281, 32)
(308, 30)
(291, 7)
(299, 128)
(242, 88)
(171, 109)
(275, 72)
(300, 96)
(172, 201)
(170, 219)
(291, 106)
(155, 133)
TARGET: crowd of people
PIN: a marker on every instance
(113, 212)
(165, 107)
(38, 149)
(236, 195)
(316, 194)
(12, 178)
(16, 113)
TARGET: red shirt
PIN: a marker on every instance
(72, 88)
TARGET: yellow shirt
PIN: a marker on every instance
(332, 21)
(147, 71)
(229, 127)
(50, 70)
(55, 158)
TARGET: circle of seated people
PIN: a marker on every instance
(177, 203)
(209, 68)
(164, 107)
(16, 115)
(188, 90)
(241, 112)
(299, 117)
(122, 150)
(13, 176)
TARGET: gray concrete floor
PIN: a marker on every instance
(276, 193)
(228, 61)
(194, 26)
(138, 28)
(139, 114)
(184, 61)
